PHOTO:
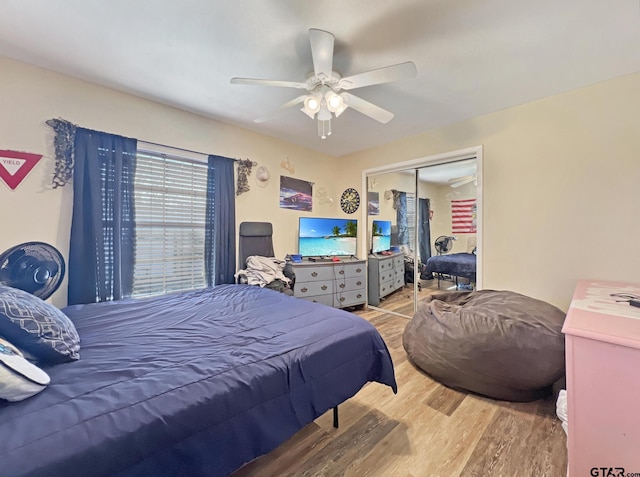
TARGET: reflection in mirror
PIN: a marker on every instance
(452, 189)
(408, 213)
(391, 238)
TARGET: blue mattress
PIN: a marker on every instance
(195, 383)
(455, 264)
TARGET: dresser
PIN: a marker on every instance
(603, 379)
(386, 275)
(338, 284)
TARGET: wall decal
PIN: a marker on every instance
(288, 166)
(14, 166)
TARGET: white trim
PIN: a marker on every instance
(444, 158)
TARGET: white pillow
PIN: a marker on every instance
(19, 379)
(471, 243)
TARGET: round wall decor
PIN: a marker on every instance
(350, 200)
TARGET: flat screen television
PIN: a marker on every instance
(318, 237)
(380, 236)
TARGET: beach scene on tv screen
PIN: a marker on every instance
(381, 236)
(320, 237)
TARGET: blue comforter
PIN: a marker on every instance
(455, 264)
(191, 384)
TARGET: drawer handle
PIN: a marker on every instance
(304, 290)
(358, 295)
(341, 272)
(341, 298)
(342, 285)
(314, 274)
(358, 270)
(358, 283)
(323, 287)
(382, 266)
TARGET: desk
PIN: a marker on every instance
(603, 379)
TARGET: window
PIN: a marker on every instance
(169, 202)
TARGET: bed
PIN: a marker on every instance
(195, 383)
(457, 265)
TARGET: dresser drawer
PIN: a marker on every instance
(350, 284)
(355, 297)
(386, 288)
(313, 273)
(398, 262)
(387, 276)
(302, 289)
(385, 264)
(350, 270)
(322, 299)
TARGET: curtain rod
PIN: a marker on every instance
(185, 150)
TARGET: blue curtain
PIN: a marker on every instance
(424, 237)
(220, 234)
(101, 251)
(401, 217)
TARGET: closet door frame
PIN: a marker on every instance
(415, 164)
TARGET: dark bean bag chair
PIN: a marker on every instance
(496, 343)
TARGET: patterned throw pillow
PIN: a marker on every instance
(37, 327)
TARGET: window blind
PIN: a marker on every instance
(411, 218)
(169, 203)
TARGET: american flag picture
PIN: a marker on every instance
(463, 216)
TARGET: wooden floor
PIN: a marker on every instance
(426, 429)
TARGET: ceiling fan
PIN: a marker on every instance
(460, 181)
(326, 89)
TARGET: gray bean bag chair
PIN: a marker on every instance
(496, 343)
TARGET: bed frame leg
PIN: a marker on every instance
(335, 417)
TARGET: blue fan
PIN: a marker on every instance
(35, 267)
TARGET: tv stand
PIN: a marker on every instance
(337, 284)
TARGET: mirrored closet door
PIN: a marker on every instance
(391, 228)
(411, 212)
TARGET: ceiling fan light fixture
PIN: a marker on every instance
(335, 103)
(311, 106)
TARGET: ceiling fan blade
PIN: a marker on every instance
(266, 82)
(321, 52)
(460, 181)
(387, 74)
(293, 102)
(368, 109)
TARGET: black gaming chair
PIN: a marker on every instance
(256, 239)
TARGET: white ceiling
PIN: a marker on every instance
(473, 56)
(442, 174)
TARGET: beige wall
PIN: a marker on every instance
(561, 174)
(561, 187)
(34, 211)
